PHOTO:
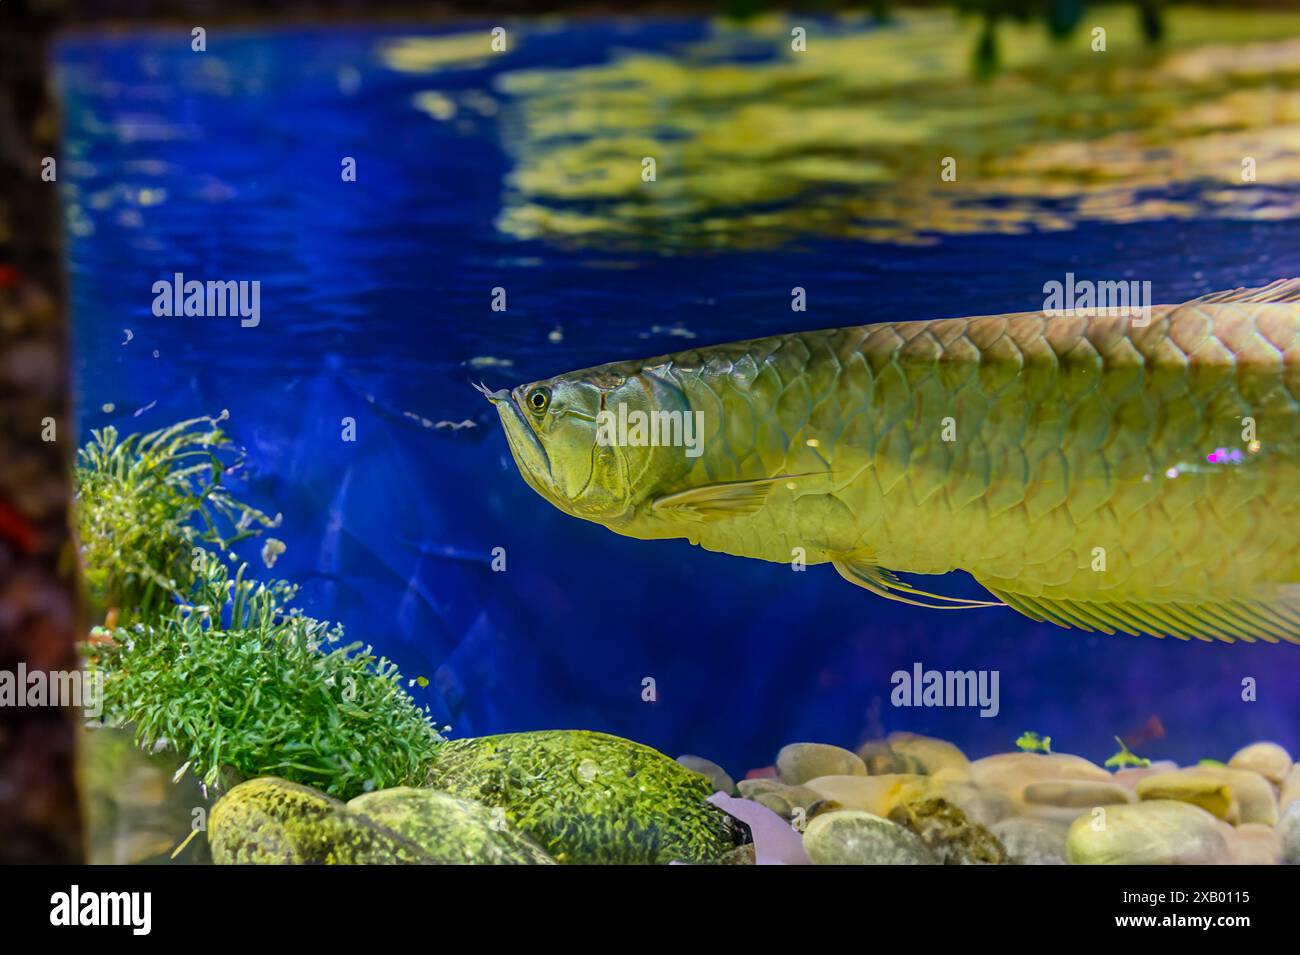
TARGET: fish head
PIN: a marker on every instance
(565, 437)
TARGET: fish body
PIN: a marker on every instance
(1087, 469)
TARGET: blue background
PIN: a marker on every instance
(375, 296)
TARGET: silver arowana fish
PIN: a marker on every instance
(1087, 470)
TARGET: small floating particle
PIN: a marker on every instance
(436, 105)
(457, 425)
(487, 361)
(142, 410)
(555, 336)
(129, 335)
(108, 407)
(349, 79)
(271, 551)
(677, 331)
(424, 422)
(155, 353)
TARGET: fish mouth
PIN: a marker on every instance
(524, 443)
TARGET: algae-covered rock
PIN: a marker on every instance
(1158, 832)
(1031, 841)
(984, 806)
(450, 830)
(1270, 760)
(862, 838)
(953, 838)
(589, 797)
(270, 820)
(800, 762)
(741, 855)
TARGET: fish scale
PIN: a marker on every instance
(1074, 436)
(1065, 416)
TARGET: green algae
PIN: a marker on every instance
(274, 821)
(589, 797)
(948, 833)
(451, 830)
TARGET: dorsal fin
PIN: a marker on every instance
(1281, 291)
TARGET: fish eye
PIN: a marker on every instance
(538, 399)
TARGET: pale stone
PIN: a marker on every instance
(1065, 799)
(862, 838)
(1031, 841)
(1256, 794)
(1253, 843)
(1290, 788)
(931, 755)
(1132, 775)
(874, 794)
(1157, 832)
(800, 762)
(1288, 831)
(984, 806)
(722, 782)
(1197, 788)
(1012, 772)
(1268, 759)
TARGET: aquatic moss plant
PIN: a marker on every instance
(220, 668)
(237, 678)
(144, 502)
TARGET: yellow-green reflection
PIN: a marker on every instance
(847, 138)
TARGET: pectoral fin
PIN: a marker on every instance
(714, 502)
(870, 576)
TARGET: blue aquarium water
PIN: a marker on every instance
(477, 171)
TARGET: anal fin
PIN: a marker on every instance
(1272, 617)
